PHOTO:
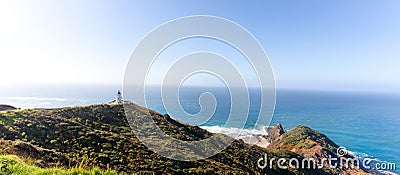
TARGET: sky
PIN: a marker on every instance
(317, 45)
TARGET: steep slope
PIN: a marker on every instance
(100, 136)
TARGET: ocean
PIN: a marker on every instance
(365, 123)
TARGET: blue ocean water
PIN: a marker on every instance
(365, 123)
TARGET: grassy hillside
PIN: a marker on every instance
(11, 164)
(99, 136)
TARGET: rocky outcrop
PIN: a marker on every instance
(273, 133)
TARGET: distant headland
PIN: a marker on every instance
(7, 107)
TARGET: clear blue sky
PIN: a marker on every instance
(326, 45)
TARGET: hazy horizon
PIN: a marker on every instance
(54, 96)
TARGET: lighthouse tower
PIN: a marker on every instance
(118, 98)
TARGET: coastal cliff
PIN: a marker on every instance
(99, 136)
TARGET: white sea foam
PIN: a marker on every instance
(235, 131)
(41, 102)
(365, 155)
(37, 99)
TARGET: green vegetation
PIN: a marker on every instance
(11, 164)
(91, 139)
(305, 137)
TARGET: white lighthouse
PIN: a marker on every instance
(118, 98)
